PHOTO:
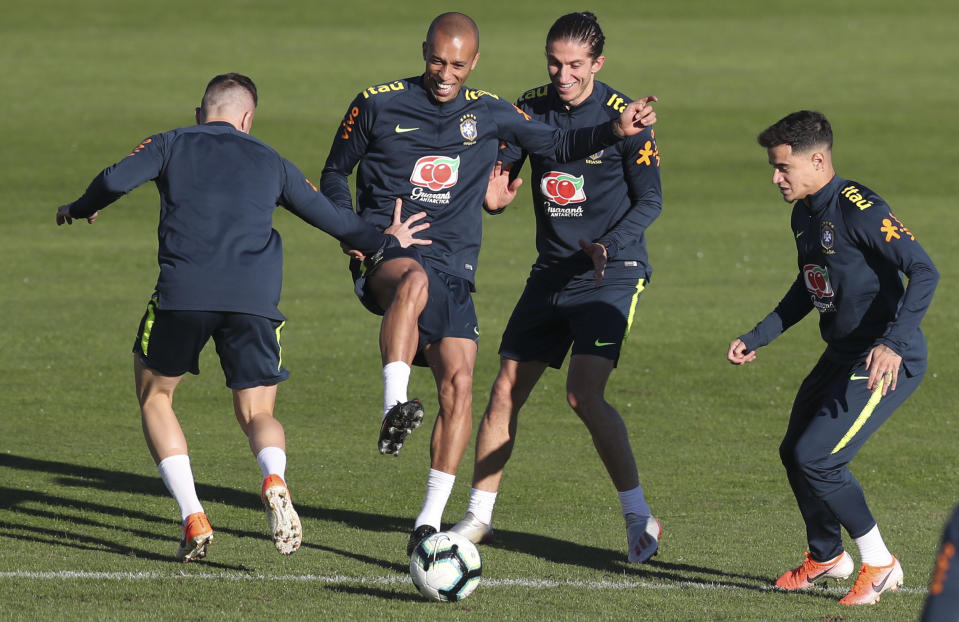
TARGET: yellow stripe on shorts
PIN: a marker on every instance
(640, 286)
(862, 418)
(279, 345)
(148, 325)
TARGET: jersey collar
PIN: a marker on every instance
(819, 200)
(594, 99)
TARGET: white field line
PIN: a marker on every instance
(396, 579)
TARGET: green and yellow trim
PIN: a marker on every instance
(640, 286)
(862, 418)
(279, 346)
(148, 321)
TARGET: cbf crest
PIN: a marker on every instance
(827, 236)
(468, 129)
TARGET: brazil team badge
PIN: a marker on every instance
(468, 127)
(827, 235)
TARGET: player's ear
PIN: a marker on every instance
(818, 160)
(598, 63)
(425, 51)
(475, 60)
(198, 114)
(246, 122)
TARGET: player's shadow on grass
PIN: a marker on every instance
(38, 526)
(47, 526)
(346, 588)
(25, 502)
(610, 561)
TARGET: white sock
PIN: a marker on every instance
(634, 502)
(439, 485)
(178, 477)
(396, 378)
(272, 461)
(872, 550)
(481, 505)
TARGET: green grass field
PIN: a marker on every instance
(87, 529)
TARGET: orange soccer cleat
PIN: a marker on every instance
(872, 582)
(810, 571)
(197, 533)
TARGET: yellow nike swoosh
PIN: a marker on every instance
(600, 344)
(855, 377)
(401, 130)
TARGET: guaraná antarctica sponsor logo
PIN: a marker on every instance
(817, 283)
(434, 173)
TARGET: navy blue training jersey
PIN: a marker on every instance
(852, 253)
(218, 188)
(610, 197)
(437, 158)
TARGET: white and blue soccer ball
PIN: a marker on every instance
(446, 567)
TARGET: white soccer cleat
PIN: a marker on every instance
(473, 529)
(642, 533)
(285, 525)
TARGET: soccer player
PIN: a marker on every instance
(852, 253)
(432, 141)
(591, 218)
(942, 604)
(220, 272)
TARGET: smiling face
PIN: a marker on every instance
(572, 69)
(799, 174)
(449, 61)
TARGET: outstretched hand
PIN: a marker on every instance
(637, 116)
(596, 252)
(63, 215)
(500, 192)
(403, 230)
(739, 354)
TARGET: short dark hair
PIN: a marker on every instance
(453, 23)
(801, 130)
(227, 81)
(581, 27)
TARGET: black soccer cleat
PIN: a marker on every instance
(397, 425)
(419, 534)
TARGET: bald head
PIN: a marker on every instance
(455, 26)
(229, 97)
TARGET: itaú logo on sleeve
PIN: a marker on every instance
(562, 188)
(436, 172)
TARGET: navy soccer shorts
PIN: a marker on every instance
(449, 311)
(169, 342)
(551, 316)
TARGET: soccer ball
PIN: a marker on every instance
(446, 567)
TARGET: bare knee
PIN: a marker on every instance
(413, 288)
(501, 399)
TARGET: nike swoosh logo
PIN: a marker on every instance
(401, 130)
(476, 329)
(799, 234)
(878, 588)
(855, 377)
(600, 344)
